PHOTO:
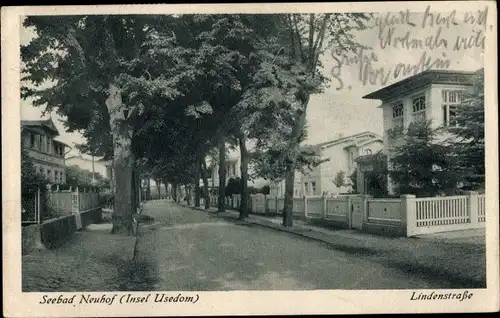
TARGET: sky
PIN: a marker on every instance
(344, 112)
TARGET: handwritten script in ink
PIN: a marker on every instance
(403, 31)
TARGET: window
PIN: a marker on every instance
(49, 144)
(32, 140)
(397, 110)
(56, 176)
(313, 185)
(39, 142)
(61, 177)
(450, 99)
(43, 143)
(306, 188)
(418, 104)
(419, 108)
(397, 114)
(49, 174)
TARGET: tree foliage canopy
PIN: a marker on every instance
(468, 135)
(421, 164)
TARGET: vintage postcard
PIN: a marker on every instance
(249, 159)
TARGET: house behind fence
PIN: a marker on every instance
(405, 216)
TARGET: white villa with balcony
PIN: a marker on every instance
(341, 154)
(430, 95)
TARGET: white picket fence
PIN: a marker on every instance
(442, 214)
(441, 211)
(408, 214)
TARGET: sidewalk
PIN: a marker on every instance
(463, 262)
(92, 260)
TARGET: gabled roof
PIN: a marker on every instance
(46, 123)
(62, 143)
(421, 80)
(372, 137)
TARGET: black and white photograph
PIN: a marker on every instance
(207, 159)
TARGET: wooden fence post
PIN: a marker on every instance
(408, 214)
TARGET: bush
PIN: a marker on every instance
(106, 199)
(265, 190)
(233, 186)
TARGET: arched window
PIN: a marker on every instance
(419, 105)
(368, 151)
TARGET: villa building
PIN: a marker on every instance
(233, 170)
(430, 95)
(90, 164)
(47, 153)
(341, 154)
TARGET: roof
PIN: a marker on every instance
(337, 141)
(44, 123)
(85, 158)
(421, 80)
(62, 142)
(371, 158)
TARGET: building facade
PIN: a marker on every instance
(47, 153)
(233, 170)
(341, 154)
(431, 95)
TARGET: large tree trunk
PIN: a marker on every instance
(167, 194)
(158, 186)
(206, 194)
(148, 189)
(292, 163)
(122, 163)
(244, 178)
(222, 176)
(288, 203)
(135, 188)
(197, 183)
(188, 194)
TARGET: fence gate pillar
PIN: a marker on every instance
(75, 208)
(408, 214)
(357, 212)
(472, 207)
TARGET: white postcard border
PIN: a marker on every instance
(17, 303)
